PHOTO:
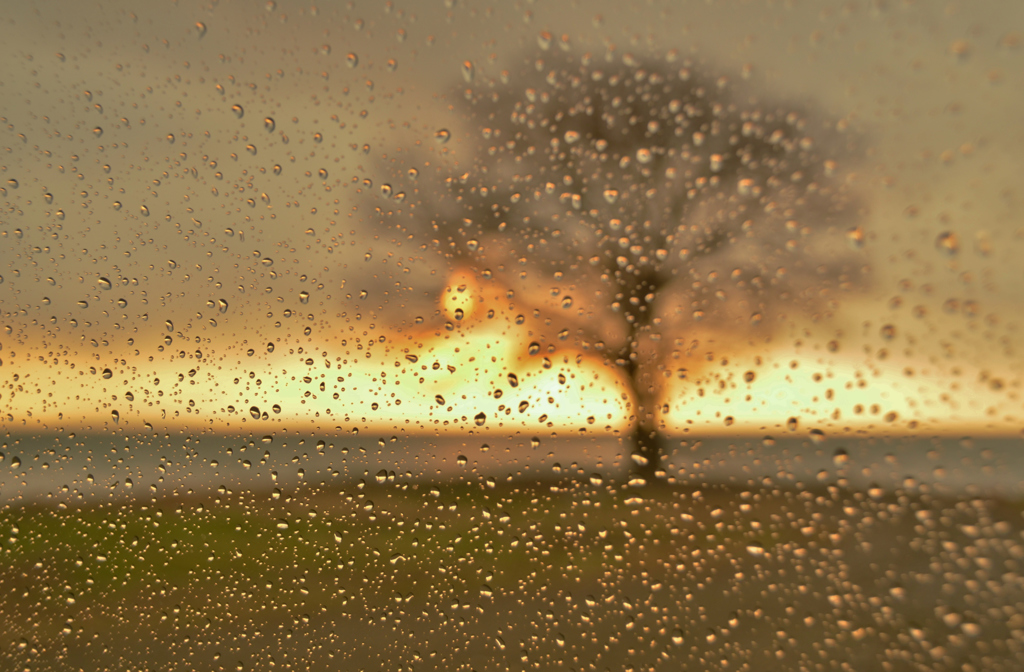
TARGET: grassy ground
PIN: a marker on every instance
(474, 574)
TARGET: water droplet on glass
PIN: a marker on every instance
(200, 28)
(533, 348)
(97, 132)
(144, 211)
(948, 242)
(480, 419)
(104, 283)
(468, 71)
(237, 109)
(352, 60)
(107, 374)
(442, 136)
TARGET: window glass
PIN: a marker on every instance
(511, 335)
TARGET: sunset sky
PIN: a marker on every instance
(153, 211)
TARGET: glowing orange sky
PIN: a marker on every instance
(442, 381)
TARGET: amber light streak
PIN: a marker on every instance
(481, 376)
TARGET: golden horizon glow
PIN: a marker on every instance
(478, 376)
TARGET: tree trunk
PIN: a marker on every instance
(647, 442)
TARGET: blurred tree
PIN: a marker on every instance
(629, 202)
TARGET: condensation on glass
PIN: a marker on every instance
(527, 335)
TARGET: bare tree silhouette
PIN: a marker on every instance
(632, 200)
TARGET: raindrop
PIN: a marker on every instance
(442, 136)
(107, 374)
(352, 60)
(534, 348)
(513, 380)
(948, 242)
(468, 71)
(480, 419)
(104, 283)
(200, 29)
(144, 210)
(269, 124)
(255, 413)
(97, 132)
(237, 109)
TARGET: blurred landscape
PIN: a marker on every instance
(240, 396)
(752, 557)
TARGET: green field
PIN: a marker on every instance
(477, 574)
